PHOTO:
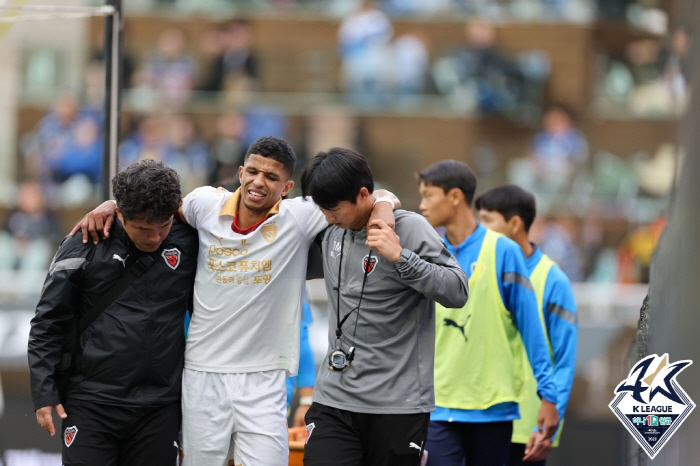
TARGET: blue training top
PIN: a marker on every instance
(520, 300)
(561, 320)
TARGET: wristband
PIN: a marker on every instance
(306, 400)
(385, 199)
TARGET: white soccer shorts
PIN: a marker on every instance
(242, 414)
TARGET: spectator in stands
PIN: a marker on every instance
(227, 149)
(636, 251)
(187, 152)
(479, 73)
(559, 149)
(364, 43)
(234, 67)
(555, 236)
(29, 234)
(67, 142)
(264, 120)
(411, 61)
(147, 141)
(170, 71)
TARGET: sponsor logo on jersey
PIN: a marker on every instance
(650, 403)
(413, 445)
(218, 238)
(123, 261)
(309, 430)
(172, 257)
(69, 435)
(368, 264)
(269, 232)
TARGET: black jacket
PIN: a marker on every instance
(133, 353)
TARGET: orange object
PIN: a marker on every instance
(297, 439)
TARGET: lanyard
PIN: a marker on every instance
(339, 323)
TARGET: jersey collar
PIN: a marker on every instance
(231, 206)
(534, 259)
(475, 237)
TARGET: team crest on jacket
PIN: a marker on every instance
(368, 264)
(269, 232)
(650, 403)
(172, 257)
(69, 435)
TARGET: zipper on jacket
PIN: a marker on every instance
(149, 342)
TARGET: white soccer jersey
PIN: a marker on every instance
(248, 289)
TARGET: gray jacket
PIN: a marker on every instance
(394, 329)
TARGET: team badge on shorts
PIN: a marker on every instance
(650, 403)
(309, 429)
(368, 264)
(69, 435)
(172, 257)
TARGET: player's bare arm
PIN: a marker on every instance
(96, 222)
(385, 202)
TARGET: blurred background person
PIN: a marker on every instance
(411, 66)
(234, 67)
(66, 142)
(478, 73)
(187, 152)
(171, 72)
(30, 232)
(227, 149)
(364, 44)
(146, 141)
(636, 251)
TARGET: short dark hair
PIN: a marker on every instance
(276, 149)
(509, 200)
(334, 176)
(449, 174)
(148, 191)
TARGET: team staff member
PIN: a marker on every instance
(373, 395)
(243, 339)
(123, 401)
(479, 348)
(510, 210)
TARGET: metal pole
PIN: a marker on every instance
(113, 85)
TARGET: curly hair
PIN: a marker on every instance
(148, 191)
(276, 149)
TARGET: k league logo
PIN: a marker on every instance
(650, 403)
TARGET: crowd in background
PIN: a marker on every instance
(63, 154)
